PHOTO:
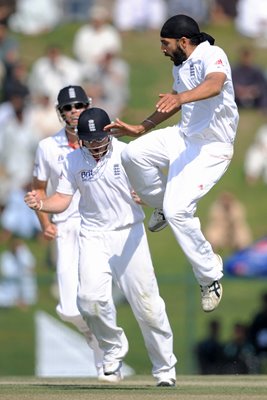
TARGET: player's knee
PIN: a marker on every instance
(88, 306)
(178, 216)
(76, 320)
(151, 311)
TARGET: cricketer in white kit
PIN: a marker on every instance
(113, 244)
(196, 152)
(65, 227)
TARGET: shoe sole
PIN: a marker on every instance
(166, 384)
(110, 378)
(164, 225)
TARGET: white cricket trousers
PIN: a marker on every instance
(194, 166)
(67, 242)
(125, 256)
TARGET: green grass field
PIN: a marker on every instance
(136, 388)
(151, 75)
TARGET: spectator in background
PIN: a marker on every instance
(17, 98)
(108, 86)
(9, 49)
(239, 353)
(249, 81)
(209, 351)
(251, 20)
(255, 163)
(19, 138)
(18, 285)
(76, 10)
(227, 227)
(96, 38)
(8, 110)
(222, 11)
(53, 71)
(16, 218)
(15, 81)
(7, 7)
(44, 116)
(258, 333)
(139, 15)
(36, 16)
(196, 9)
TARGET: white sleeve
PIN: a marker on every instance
(41, 169)
(216, 61)
(66, 183)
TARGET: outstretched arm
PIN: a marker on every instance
(119, 128)
(54, 204)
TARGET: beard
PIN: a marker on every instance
(178, 56)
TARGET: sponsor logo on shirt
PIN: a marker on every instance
(219, 62)
(87, 175)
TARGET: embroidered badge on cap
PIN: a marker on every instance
(91, 125)
(72, 93)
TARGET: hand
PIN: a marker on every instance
(32, 200)
(50, 231)
(137, 199)
(168, 103)
(120, 128)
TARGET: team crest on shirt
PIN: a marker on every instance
(87, 175)
(116, 170)
(192, 70)
(177, 79)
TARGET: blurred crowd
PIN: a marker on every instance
(245, 352)
(227, 228)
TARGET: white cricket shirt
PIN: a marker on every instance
(49, 160)
(106, 202)
(217, 115)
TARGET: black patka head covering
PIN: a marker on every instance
(181, 25)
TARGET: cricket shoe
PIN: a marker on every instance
(113, 378)
(211, 296)
(157, 221)
(111, 368)
(166, 383)
(167, 378)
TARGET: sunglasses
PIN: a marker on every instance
(77, 106)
